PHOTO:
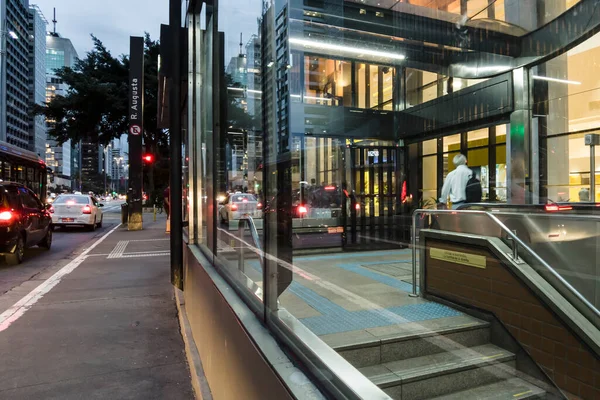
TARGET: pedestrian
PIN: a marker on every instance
(166, 200)
(456, 183)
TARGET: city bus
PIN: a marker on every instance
(25, 167)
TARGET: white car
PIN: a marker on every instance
(237, 205)
(76, 209)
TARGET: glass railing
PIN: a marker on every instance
(560, 248)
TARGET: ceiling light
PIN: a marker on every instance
(545, 78)
(346, 49)
(13, 35)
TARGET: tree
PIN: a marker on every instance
(96, 103)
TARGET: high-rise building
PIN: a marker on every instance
(37, 78)
(14, 88)
(64, 158)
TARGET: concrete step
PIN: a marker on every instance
(420, 339)
(443, 373)
(514, 388)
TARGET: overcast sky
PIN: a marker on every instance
(113, 21)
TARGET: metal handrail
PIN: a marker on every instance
(247, 220)
(516, 242)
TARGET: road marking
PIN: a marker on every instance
(149, 240)
(20, 307)
(521, 394)
(156, 254)
(119, 249)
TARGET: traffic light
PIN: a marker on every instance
(148, 158)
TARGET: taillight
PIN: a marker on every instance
(51, 209)
(556, 207)
(6, 215)
(302, 210)
(259, 205)
(234, 207)
(86, 209)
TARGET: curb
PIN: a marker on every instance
(199, 382)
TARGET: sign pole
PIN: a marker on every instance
(136, 129)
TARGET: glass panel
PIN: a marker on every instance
(569, 169)
(430, 147)
(451, 143)
(429, 183)
(501, 177)
(361, 85)
(501, 133)
(477, 161)
(478, 138)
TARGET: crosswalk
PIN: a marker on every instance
(111, 208)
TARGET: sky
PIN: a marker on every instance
(113, 21)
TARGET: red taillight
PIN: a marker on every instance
(234, 207)
(302, 210)
(6, 215)
(357, 206)
(329, 187)
(555, 207)
(259, 205)
(86, 210)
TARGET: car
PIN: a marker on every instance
(77, 210)
(24, 222)
(237, 205)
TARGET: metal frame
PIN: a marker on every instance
(591, 312)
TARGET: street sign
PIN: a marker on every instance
(135, 129)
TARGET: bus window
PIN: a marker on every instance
(21, 174)
(31, 181)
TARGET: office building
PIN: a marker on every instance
(37, 78)
(64, 158)
(15, 97)
(371, 287)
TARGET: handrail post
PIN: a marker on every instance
(414, 253)
(241, 228)
(515, 248)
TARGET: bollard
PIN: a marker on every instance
(154, 211)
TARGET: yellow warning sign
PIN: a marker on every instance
(472, 260)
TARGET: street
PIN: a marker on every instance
(65, 245)
(94, 317)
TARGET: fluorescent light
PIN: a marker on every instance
(270, 64)
(346, 49)
(13, 35)
(253, 91)
(545, 78)
(236, 89)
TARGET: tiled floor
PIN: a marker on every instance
(348, 293)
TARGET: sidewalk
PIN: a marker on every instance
(107, 330)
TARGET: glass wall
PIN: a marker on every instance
(299, 165)
(566, 103)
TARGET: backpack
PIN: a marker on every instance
(473, 190)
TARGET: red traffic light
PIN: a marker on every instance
(148, 158)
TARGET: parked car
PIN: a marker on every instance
(24, 222)
(237, 205)
(77, 210)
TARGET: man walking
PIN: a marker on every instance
(456, 183)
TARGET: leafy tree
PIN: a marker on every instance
(95, 107)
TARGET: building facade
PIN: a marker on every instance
(15, 73)
(63, 158)
(37, 73)
(363, 106)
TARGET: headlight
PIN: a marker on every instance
(221, 198)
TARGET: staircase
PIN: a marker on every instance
(450, 361)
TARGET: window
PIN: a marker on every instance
(27, 198)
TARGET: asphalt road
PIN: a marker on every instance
(66, 243)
